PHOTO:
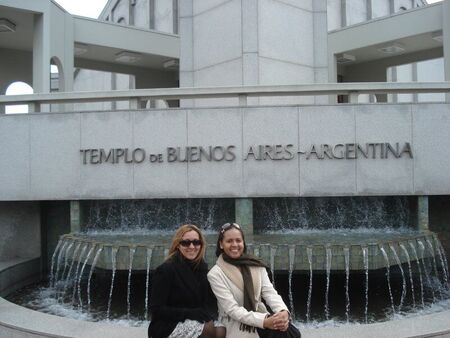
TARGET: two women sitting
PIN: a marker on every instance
(182, 304)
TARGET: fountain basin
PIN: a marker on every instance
(280, 250)
(80, 259)
(17, 321)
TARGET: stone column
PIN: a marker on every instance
(422, 213)
(75, 216)
(446, 41)
(41, 54)
(244, 216)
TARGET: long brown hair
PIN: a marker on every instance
(178, 237)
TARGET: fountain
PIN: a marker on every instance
(413, 261)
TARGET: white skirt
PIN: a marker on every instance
(187, 329)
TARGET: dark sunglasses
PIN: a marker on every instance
(188, 242)
(227, 226)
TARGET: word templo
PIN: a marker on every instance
(261, 152)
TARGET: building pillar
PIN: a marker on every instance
(76, 216)
(332, 74)
(446, 41)
(422, 213)
(41, 54)
(244, 216)
(41, 59)
(66, 83)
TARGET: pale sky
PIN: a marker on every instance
(92, 8)
(89, 8)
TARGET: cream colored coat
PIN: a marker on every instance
(228, 288)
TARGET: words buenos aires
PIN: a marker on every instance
(261, 152)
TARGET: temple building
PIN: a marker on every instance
(286, 116)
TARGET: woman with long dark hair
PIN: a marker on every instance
(181, 296)
(240, 282)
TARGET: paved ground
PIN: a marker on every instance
(19, 322)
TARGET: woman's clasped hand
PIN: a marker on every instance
(278, 321)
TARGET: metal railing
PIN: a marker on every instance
(136, 96)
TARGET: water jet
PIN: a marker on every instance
(120, 249)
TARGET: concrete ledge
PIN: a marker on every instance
(432, 325)
(16, 321)
(17, 273)
(20, 322)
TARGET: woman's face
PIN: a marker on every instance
(232, 243)
(191, 251)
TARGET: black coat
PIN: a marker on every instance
(180, 291)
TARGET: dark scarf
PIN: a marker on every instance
(192, 274)
(244, 263)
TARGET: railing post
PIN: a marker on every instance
(242, 99)
(134, 103)
(34, 107)
(353, 97)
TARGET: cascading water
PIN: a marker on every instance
(332, 213)
(60, 253)
(273, 251)
(113, 257)
(147, 278)
(413, 248)
(94, 262)
(66, 258)
(366, 284)
(74, 257)
(425, 270)
(306, 238)
(328, 268)
(444, 262)
(309, 252)
(397, 259)
(291, 270)
(408, 260)
(88, 256)
(388, 276)
(162, 215)
(347, 278)
(433, 259)
(77, 274)
(52, 268)
(132, 252)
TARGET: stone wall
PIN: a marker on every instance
(439, 213)
(49, 157)
(20, 230)
(55, 219)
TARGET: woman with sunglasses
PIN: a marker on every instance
(181, 296)
(240, 282)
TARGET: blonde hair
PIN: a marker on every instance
(178, 237)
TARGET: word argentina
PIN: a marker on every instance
(262, 152)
